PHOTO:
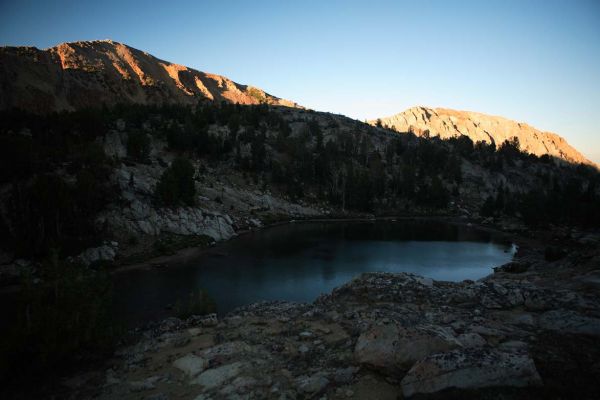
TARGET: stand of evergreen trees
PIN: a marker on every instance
(57, 174)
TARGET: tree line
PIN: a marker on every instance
(58, 177)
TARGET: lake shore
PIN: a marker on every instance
(188, 253)
(528, 331)
(300, 261)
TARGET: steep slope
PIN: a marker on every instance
(74, 75)
(446, 123)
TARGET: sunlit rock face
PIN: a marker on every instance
(83, 74)
(445, 123)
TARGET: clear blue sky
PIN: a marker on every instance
(533, 61)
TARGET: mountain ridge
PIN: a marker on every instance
(81, 74)
(74, 75)
(448, 123)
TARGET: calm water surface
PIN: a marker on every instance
(298, 262)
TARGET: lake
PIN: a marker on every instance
(300, 261)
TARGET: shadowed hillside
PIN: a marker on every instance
(133, 174)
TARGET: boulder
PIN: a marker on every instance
(216, 377)
(143, 385)
(312, 384)
(191, 365)
(344, 375)
(567, 321)
(170, 324)
(106, 252)
(471, 339)
(392, 348)
(470, 369)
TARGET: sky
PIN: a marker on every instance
(527, 60)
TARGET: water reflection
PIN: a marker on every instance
(298, 262)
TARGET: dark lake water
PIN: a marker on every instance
(300, 261)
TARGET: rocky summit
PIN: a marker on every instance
(445, 123)
(525, 332)
(83, 74)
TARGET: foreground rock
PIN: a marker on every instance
(394, 348)
(217, 376)
(470, 369)
(528, 335)
(191, 364)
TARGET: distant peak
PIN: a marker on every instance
(447, 123)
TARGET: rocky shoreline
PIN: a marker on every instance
(527, 331)
(187, 253)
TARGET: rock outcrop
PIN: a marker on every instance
(470, 369)
(445, 123)
(84, 74)
(382, 336)
(394, 348)
(235, 208)
(107, 252)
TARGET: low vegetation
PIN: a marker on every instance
(62, 320)
(55, 179)
(176, 185)
(197, 303)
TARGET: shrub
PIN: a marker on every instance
(41, 214)
(138, 146)
(198, 303)
(52, 213)
(257, 94)
(176, 185)
(18, 155)
(487, 208)
(179, 139)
